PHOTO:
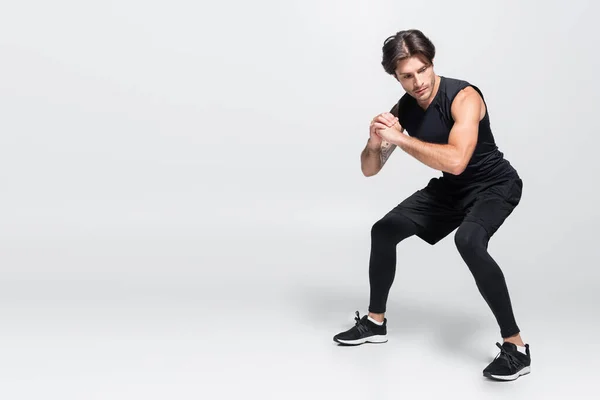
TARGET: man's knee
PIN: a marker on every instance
(392, 227)
(470, 237)
(382, 228)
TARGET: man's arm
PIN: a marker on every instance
(388, 148)
(373, 158)
(454, 156)
(376, 152)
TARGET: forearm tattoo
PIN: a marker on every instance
(386, 151)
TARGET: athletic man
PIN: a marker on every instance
(448, 128)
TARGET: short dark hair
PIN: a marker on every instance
(404, 44)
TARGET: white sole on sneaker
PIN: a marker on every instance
(524, 371)
(370, 339)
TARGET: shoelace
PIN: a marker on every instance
(362, 328)
(512, 361)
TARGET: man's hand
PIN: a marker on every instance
(390, 132)
(380, 122)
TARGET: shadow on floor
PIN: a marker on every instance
(450, 330)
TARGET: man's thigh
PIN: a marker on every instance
(491, 207)
(433, 210)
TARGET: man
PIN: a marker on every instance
(448, 128)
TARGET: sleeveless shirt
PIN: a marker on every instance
(433, 125)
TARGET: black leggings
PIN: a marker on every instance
(471, 240)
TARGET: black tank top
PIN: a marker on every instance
(433, 125)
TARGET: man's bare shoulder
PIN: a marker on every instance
(468, 98)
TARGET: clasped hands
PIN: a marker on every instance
(386, 126)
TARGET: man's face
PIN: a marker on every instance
(417, 78)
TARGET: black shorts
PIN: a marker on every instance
(439, 208)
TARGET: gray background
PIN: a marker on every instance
(183, 214)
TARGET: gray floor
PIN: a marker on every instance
(251, 316)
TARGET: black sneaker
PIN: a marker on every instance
(509, 364)
(362, 332)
